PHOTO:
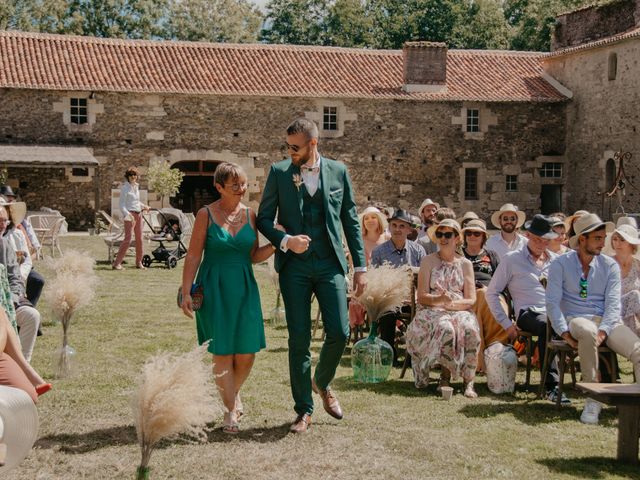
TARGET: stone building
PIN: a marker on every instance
(473, 129)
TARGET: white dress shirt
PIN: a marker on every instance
(129, 200)
(501, 247)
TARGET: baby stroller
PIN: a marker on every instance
(174, 230)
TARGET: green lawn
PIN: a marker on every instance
(390, 430)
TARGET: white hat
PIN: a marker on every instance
(508, 207)
(427, 202)
(628, 233)
(467, 217)
(475, 225)
(447, 222)
(627, 221)
(585, 224)
(381, 218)
(18, 210)
(19, 418)
(572, 218)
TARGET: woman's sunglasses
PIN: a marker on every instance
(446, 235)
(473, 234)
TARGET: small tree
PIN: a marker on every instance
(164, 180)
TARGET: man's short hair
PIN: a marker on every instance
(599, 229)
(303, 125)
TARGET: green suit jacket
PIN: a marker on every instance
(281, 197)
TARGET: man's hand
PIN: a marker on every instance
(601, 337)
(298, 243)
(566, 336)
(359, 282)
(512, 332)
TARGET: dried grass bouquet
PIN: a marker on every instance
(173, 396)
(73, 288)
(387, 289)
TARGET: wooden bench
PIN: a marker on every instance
(627, 399)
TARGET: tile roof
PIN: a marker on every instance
(60, 62)
(634, 33)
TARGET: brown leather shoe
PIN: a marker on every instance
(301, 424)
(329, 401)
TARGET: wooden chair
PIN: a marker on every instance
(407, 318)
(526, 336)
(567, 354)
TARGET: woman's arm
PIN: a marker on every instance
(259, 254)
(193, 258)
(469, 290)
(424, 278)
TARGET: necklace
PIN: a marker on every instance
(233, 219)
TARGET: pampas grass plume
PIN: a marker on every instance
(173, 396)
(73, 262)
(387, 289)
(67, 293)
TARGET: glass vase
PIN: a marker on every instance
(371, 358)
(64, 361)
(142, 473)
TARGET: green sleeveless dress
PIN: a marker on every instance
(231, 315)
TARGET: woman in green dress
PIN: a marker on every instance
(230, 317)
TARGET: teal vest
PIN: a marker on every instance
(314, 224)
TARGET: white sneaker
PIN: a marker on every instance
(591, 412)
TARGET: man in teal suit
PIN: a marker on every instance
(312, 198)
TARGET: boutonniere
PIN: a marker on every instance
(297, 180)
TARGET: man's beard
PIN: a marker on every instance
(508, 228)
(593, 252)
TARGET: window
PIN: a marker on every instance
(613, 66)
(470, 183)
(551, 170)
(79, 111)
(330, 118)
(80, 172)
(473, 120)
(512, 183)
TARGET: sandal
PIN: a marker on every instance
(469, 391)
(230, 426)
(239, 408)
(43, 388)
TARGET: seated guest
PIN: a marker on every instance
(26, 227)
(508, 219)
(522, 272)
(466, 218)
(583, 301)
(444, 330)
(27, 317)
(399, 252)
(557, 245)
(625, 243)
(415, 228)
(484, 263)
(373, 225)
(440, 215)
(427, 214)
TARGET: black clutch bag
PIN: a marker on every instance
(197, 295)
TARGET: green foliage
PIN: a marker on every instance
(296, 22)
(483, 26)
(214, 20)
(348, 24)
(164, 180)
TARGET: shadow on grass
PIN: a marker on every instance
(256, 435)
(590, 467)
(90, 441)
(277, 350)
(393, 386)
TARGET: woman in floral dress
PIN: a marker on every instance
(625, 241)
(444, 330)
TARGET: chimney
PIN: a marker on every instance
(424, 67)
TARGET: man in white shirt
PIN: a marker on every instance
(508, 219)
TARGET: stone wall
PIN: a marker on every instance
(399, 152)
(595, 22)
(603, 118)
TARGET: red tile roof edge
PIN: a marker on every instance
(619, 37)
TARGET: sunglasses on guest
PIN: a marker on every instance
(509, 219)
(473, 234)
(583, 287)
(446, 235)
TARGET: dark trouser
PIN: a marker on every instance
(299, 279)
(536, 323)
(387, 327)
(35, 284)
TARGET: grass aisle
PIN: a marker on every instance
(390, 430)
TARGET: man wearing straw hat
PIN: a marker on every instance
(311, 196)
(583, 302)
(427, 214)
(508, 219)
(522, 272)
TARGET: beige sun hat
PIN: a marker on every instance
(508, 207)
(381, 218)
(629, 233)
(627, 221)
(18, 425)
(467, 217)
(447, 222)
(18, 210)
(585, 224)
(570, 219)
(425, 203)
(475, 225)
